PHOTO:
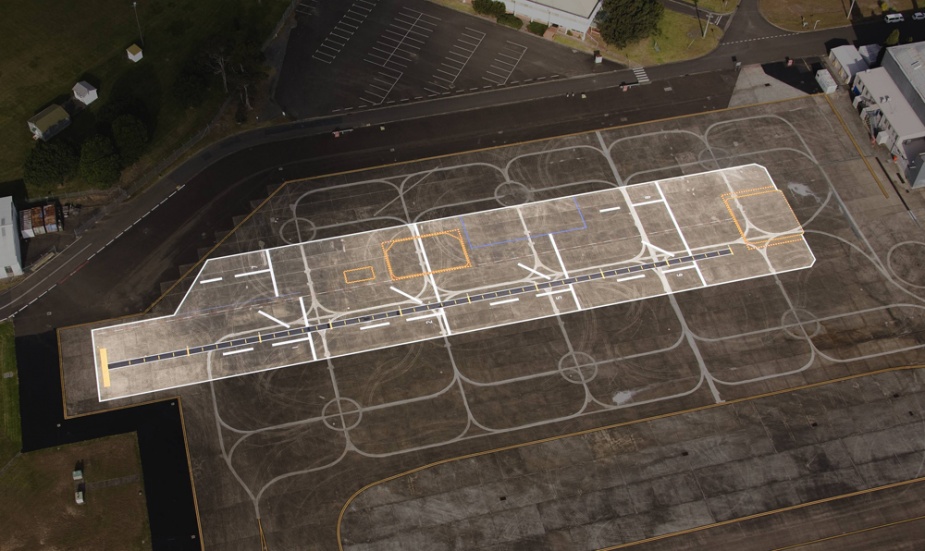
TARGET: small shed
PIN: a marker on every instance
(84, 92)
(10, 255)
(48, 122)
(846, 62)
(870, 53)
(826, 81)
(134, 53)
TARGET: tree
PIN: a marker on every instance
(99, 162)
(622, 22)
(49, 164)
(130, 136)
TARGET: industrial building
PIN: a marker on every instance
(10, 254)
(572, 15)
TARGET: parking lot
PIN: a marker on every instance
(381, 52)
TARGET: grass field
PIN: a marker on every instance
(38, 508)
(10, 431)
(679, 38)
(715, 6)
(48, 46)
(790, 15)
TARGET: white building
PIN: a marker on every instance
(48, 122)
(84, 92)
(846, 61)
(889, 117)
(572, 15)
(134, 53)
(10, 256)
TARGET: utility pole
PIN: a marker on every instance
(851, 9)
(141, 37)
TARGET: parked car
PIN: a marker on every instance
(918, 16)
(894, 18)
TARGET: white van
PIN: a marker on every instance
(894, 18)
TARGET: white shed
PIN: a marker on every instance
(10, 256)
(846, 62)
(134, 53)
(826, 81)
(84, 92)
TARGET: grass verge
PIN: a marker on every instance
(10, 429)
(791, 15)
(38, 508)
(47, 48)
(678, 39)
(715, 6)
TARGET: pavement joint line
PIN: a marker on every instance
(561, 285)
(705, 407)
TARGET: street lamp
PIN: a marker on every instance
(851, 8)
(141, 37)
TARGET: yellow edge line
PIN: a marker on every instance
(104, 366)
(853, 532)
(856, 146)
(343, 510)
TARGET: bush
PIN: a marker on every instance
(537, 28)
(510, 20)
(49, 164)
(99, 163)
(489, 7)
(130, 136)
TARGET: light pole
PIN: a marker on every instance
(851, 8)
(141, 37)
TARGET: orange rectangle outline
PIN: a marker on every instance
(348, 281)
(456, 233)
(780, 239)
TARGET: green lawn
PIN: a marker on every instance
(38, 508)
(10, 430)
(792, 14)
(48, 45)
(678, 38)
(715, 6)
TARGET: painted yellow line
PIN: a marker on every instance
(343, 510)
(104, 366)
(853, 533)
(856, 146)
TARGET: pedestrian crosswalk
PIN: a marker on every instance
(641, 76)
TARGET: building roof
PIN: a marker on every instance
(911, 61)
(133, 49)
(6, 206)
(83, 88)
(892, 103)
(583, 8)
(48, 117)
(849, 58)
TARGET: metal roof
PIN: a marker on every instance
(48, 117)
(911, 61)
(892, 103)
(582, 8)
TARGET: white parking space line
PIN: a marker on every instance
(512, 51)
(395, 49)
(648, 203)
(466, 51)
(406, 295)
(375, 325)
(211, 280)
(611, 209)
(531, 270)
(239, 351)
(355, 18)
(506, 301)
(274, 320)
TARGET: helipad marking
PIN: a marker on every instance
(406, 295)
(238, 351)
(375, 325)
(659, 249)
(611, 209)
(534, 271)
(271, 318)
(212, 280)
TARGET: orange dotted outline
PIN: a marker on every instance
(455, 233)
(780, 239)
(371, 271)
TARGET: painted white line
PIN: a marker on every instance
(630, 278)
(311, 344)
(246, 274)
(611, 209)
(271, 318)
(659, 249)
(533, 271)
(559, 256)
(648, 203)
(375, 325)
(424, 317)
(549, 293)
(686, 267)
(406, 295)
(212, 280)
(507, 301)
(575, 296)
(293, 341)
(304, 313)
(238, 351)
(678, 229)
